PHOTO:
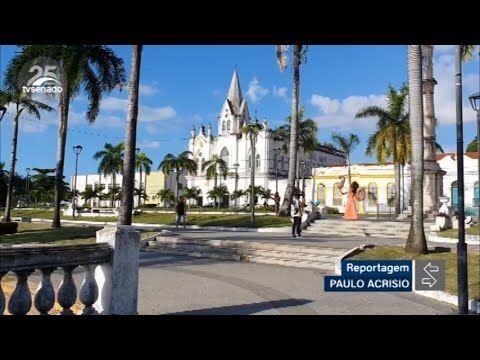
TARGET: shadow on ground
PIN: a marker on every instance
(246, 309)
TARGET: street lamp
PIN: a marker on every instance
(77, 149)
(3, 110)
(475, 102)
(303, 166)
(27, 186)
(236, 166)
(137, 151)
(276, 152)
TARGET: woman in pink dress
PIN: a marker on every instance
(351, 207)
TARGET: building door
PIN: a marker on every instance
(200, 201)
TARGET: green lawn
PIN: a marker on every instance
(388, 253)
(239, 220)
(42, 233)
(451, 233)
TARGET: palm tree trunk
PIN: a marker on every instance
(396, 166)
(177, 179)
(112, 200)
(8, 205)
(252, 181)
(140, 194)
(416, 242)
(292, 165)
(125, 213)
(62, 140)
(349, 172)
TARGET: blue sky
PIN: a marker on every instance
(186, 85)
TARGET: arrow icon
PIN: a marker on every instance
(430, 280)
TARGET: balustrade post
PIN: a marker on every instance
(67, 292)
(45, 295)
(2, 295)
(21, 300)
(89, 291)
(118, 280)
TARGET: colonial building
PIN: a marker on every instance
(233, 147)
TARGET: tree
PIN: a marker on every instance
(114, 194)
(214, 167)
(166, 195)
(237, 194)
(298, 55)
(22, 103)
(307, 135)
(218, 192)
(92, 193)
(416, 242)
(95, 69)
(392, 136)
(143, 163)
(473, 145)
(192, 193)
(346, 143)
(129, 161)
(178, 163)
(251, 131)
(111, 162)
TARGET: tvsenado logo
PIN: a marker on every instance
(41, 76)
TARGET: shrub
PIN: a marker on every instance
(331, 210)
(8, 228)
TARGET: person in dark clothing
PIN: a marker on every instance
(296, 213)
(277, 203)
(180, 211)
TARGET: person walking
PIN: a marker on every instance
(180, 211)
(276, 198)
(296, 213)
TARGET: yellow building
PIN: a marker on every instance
(377, 180)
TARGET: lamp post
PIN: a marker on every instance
(77, 149)
(236, 166)
(27, 186)
(475, 102)
(137, 151)
(303, 166)
(3, 110)
(462, 267)
(275, 154)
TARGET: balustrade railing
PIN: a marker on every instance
(23, 262)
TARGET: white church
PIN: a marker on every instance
(234, 148)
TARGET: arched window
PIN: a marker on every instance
(228, 125)
(372, 194)
(223, 127)
(337, 195)
(257, 161)
(321, 194)
(224, 155)
(391, 194)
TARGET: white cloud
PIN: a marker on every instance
(255, 91)
(149, 144)
(340, 113)
(145, 113)
(280, 92)
(148, 90)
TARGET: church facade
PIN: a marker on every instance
(230, 144)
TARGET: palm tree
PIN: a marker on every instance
(191, 193)
(114, 194)
(178, 163)
(237, 194)
(416, 242)
(392, 137)
(43, 185)
(347, 144)
(218, 192)
(111, 162)
(214, 167)
(92, 193)
(95, 69)
(166, 195)
(252, 130)
(298, 54)
(129, 163)
(22, 103)
(143, 163)
(307, 135)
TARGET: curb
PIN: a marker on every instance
(469, 239)
(284, 229)
(349, 253)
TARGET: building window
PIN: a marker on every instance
(391, 194)
(337, 195)
(257, 161)
(224, 155)
(372, 194)
(223, 126)
(321, 194)
(476, 194)
(228, 125)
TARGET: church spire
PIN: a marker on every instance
(234, 93)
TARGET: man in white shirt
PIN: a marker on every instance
(296, 213)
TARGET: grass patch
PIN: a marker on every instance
(235, 220)
(398, 253)
(453, 233)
